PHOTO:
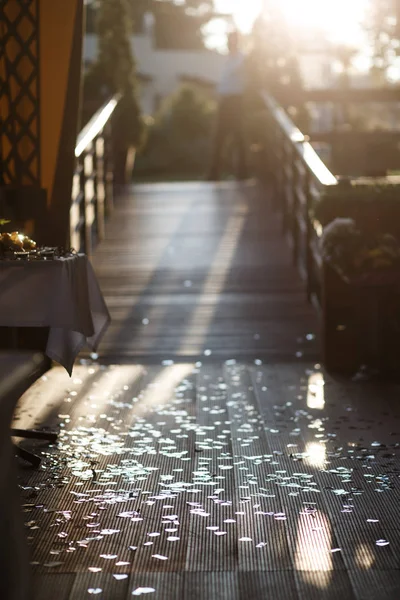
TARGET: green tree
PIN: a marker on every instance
(273, 62)
(180, 139)
(177, 25)
(114, 71)
(383, 24)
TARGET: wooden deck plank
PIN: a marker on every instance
(99, 585)
(296, 471)
(204, 586)
(53, 585)
(324, 585)
(199, 267)
(376, 585)
(256, 528)
(291, 448)
(213, 549)
(278, 584)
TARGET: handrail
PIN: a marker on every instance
(92, 186)
(95, 125)
(300, 142)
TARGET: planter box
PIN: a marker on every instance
(360, 321)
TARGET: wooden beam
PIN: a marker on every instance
(61, 40)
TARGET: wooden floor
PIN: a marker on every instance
(191, 268)
(226, 482)
(206, 455)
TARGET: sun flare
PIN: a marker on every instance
(340, 20)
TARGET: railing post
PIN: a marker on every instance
(273, 141)
(94, 170)
(280, 169)
(284, 200)
(293, 224)
(82, 223)
(100, 188)
(75, 217)
(108, 172)
(89, 199)
(309, 265)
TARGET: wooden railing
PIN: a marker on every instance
(299, 178)
(358, 324)
(92, 188)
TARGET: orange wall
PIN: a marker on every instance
(56, 33)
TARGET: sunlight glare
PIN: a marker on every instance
(315, 455)
(244, 12)
(315, 391)
(364, 557)
(313, 549)
(340, 20)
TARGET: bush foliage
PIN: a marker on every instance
(374, 204)
(180, 137)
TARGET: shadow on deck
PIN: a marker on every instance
(191, 270)
(230, 481)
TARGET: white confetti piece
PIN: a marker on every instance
(220, 532)
(160, 557)
(143, 590)
(109, 556)
(382, 543)
(109, 531)
(245, 539)
(154, 534)
(120, 577)
(94, 591)
(199, 512)
(94, 569)
(172, 538)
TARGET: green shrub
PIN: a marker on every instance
(180, 138)
(374, 204)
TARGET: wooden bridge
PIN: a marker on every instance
(205, 453)
(198, 270)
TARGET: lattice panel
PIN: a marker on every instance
(19, 92)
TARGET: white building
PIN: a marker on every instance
(162, 71)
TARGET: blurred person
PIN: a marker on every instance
(230, 113)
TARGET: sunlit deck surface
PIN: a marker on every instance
(251, 475)
(193, 267)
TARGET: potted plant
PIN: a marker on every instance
(360, 257)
